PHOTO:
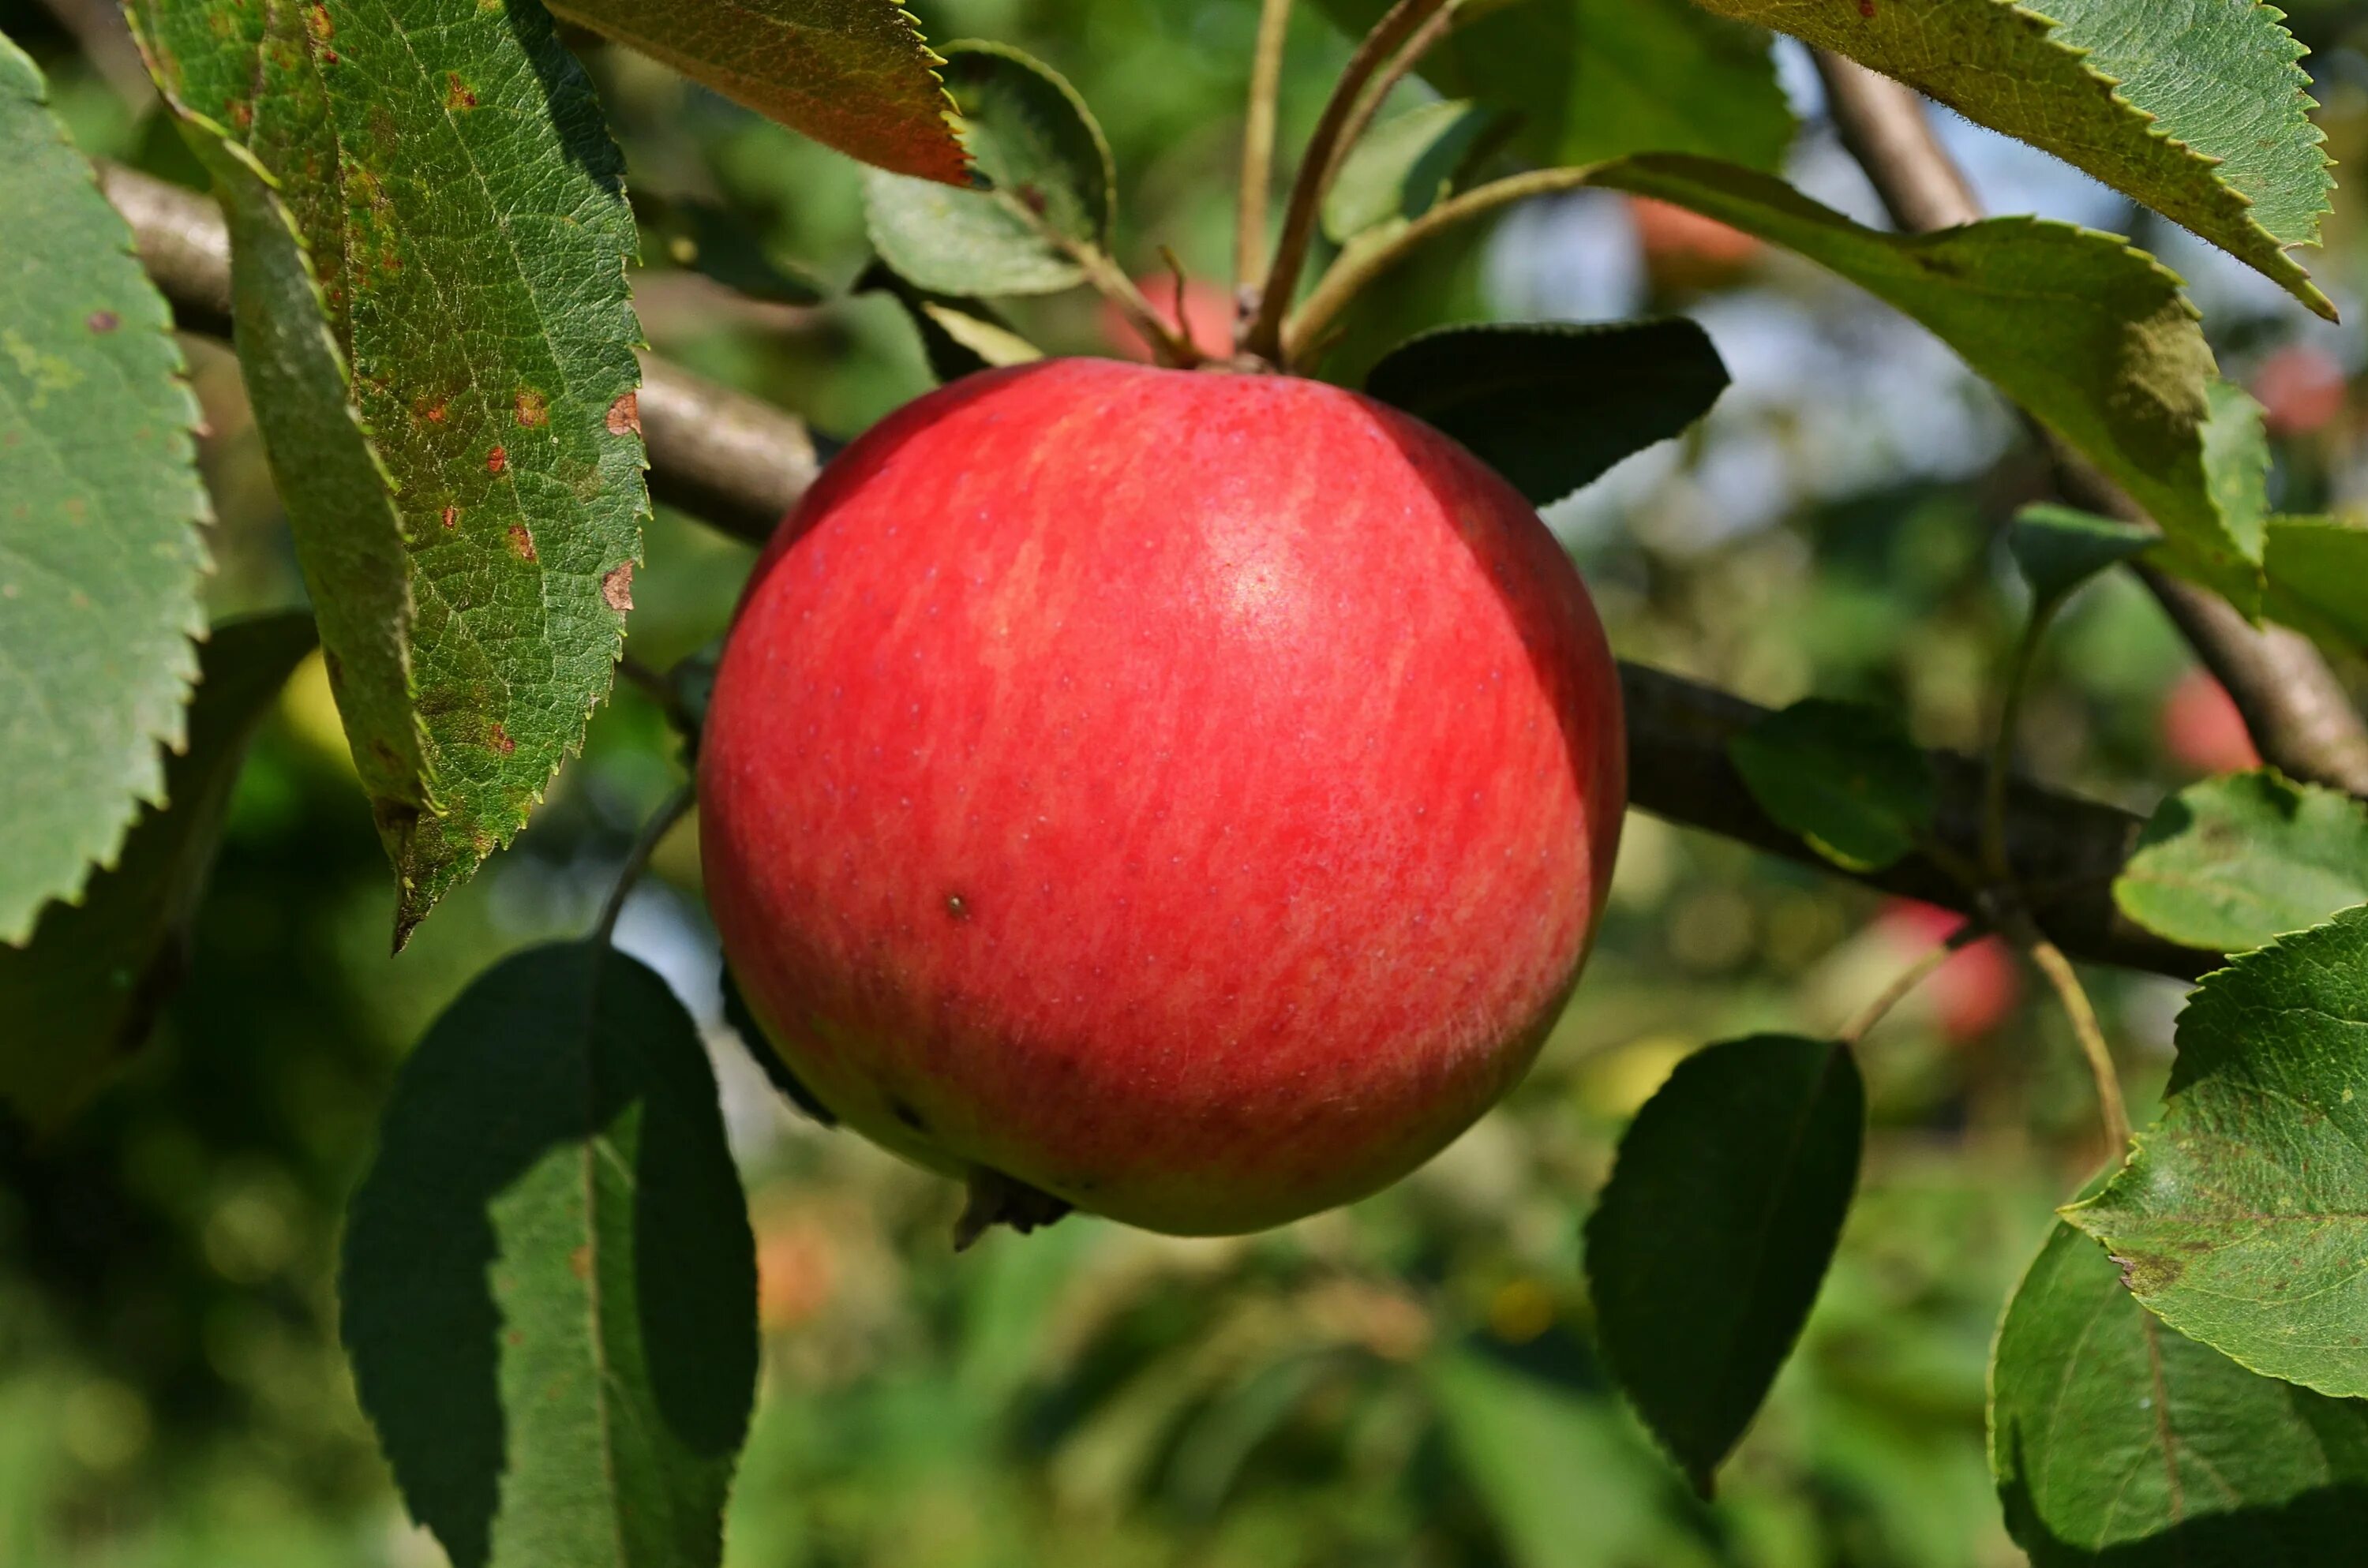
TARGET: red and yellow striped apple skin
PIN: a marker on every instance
(1189, 793)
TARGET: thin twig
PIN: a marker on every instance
(637, 860)
(1908, 979)
(1362, 262)
(2086, 1029)
(1377, 92)
(1171, 346)
(1258, 149)
(1262, 335)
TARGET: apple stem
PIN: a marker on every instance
(1377, 92)
(1261, 334)
(1172, 347)
(637, 860)
(1258, 149)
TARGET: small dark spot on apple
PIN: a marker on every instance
(905, 1113)
(957, 907)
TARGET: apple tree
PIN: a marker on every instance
(418, 233)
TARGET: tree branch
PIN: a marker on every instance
(2300, 716)
(741, 463)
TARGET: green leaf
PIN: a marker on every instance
(2058, 548)
(2195, 108)
(2234, 862)
(2117, 1440)
(84, 993)
(2241, 1217)
(853, 74)
(99, 551)
(959, 336)
(1842, 775)
(2317, 571)
(549, 1283)
(2092, 337)
(1050, 177)
(1405, 164)
(1706, 1250)
(1592, 79)
(715, 241)
(1551, 406)
(460, 199)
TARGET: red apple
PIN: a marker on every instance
(1976, 989)
(2202, 728)
(1685, 251)
(1186, 794)
(2302, 388)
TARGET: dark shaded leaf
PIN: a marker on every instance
(777, 1072)
(2058, 548)
(2117, 1440)
(709, 238)
(1708, 1245)
(86, 991)
(1050, 185)
(549, 1283)
(853, 74)
(2234, 862)
(2241, 1217)
(1842, 775)
(100, 507)
(1552, 406)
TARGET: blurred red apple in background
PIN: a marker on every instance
(1683, 250)
(1186, 794)
(2301, 388)
(1976, 990)
(2202, 728)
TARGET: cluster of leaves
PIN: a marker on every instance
(430, 233)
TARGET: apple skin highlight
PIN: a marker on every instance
(1190, 794)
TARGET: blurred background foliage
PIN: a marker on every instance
(1408, 1381)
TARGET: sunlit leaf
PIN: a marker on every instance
(1050, 177)
(2195, 108)
(460, 201)
(2118, 1441)
(1405, 164)
(100, 507)
(2242, 1216)
(2233, 862)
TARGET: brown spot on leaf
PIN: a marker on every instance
(433, 413)
(533, 408)
(617, 586)
(458, 95)
(500, 739)
(579, 1262)
(521, 541)
(329, 57)
(104, 321)
(241, 114)
(1866, 9)
(318, 17)
(451, 517)
(625, 414)
(496, 461)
